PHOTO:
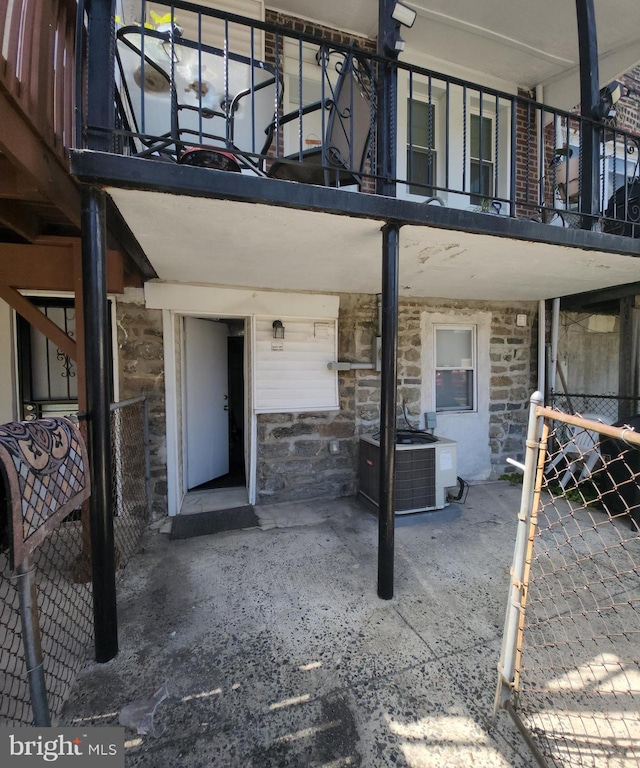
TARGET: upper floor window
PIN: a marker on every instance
(421, 142)
(455, 367)
(481, 158)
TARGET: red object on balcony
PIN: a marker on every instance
(203, 157)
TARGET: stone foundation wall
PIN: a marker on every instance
(513, 355)
(294, 461)
(141, 359)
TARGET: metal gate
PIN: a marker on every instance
(48, 382)
(569, 671)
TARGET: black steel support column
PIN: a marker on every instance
(386, 169)
(388, 397)
(100, 108)
(589, 107)
(97, 344)
(100, 120)
(387, 102)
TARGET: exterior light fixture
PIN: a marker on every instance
(278, 329)
(609, 96)
(403, 15)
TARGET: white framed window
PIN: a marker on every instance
(455, 367)
(421, 147)
(481, 157)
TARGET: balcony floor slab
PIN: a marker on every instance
(201, 226)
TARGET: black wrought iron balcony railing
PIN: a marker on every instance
(196, 86)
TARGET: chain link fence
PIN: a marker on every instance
(130, 475)
(570, 663)
(63, 576)
(608, 408)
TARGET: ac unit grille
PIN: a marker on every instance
(415, 479)
(415, 476)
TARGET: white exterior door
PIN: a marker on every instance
(206, 403)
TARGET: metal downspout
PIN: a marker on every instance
(555, 331)
(542, 346)
(31, 642)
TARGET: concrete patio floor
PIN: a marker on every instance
(276, 650)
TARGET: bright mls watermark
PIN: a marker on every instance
(62, 747)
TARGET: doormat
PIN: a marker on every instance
(207, 523)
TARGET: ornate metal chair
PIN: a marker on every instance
(340, 155)
(622, 215)
(177, 92)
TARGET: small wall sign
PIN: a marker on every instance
(277, 346)
(322, 330)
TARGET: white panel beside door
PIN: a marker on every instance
(207, 417)
(291, 374)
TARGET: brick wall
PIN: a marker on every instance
(293, 449)
(628, 108)
(141, 358)
(311, 28)
(527, 172)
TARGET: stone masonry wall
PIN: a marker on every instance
(141, 360)
(293, 449)
(513, 380)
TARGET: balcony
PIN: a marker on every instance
(214, 90)
(254, 105)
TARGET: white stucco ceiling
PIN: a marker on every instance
(197, 240)
(519, 41)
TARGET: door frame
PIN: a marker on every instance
(175, 299)
(173, 335)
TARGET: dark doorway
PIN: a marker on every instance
(236, 407)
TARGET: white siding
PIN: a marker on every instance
(291, 374)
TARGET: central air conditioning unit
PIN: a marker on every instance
(424, 470)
